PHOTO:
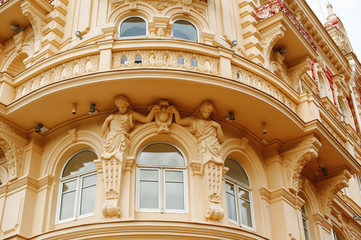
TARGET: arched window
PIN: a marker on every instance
(185, 30)
(124, 60)
(194, 63)
(161, 179)
(138, 59)
(239, 198)
(77, 187)
(306, 228)
(133, 27)
(180, 61)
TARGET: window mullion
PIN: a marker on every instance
(78, 197)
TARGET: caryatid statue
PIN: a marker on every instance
(209, 135)
(116, 130)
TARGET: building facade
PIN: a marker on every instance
(177, 119)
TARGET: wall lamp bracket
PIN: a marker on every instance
(41, 128)
(92, 109)
(230, 117)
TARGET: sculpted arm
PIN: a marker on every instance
(179, 120)
(106, 123)
(145, 119)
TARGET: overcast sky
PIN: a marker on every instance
(349, 11)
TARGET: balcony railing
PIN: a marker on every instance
(276, 6)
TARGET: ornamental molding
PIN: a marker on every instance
(27, 182)
(296, 157)
(250, 79)
(59, 73)
(165, 58)
(328, 188)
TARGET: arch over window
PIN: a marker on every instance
(77, 187)
(133, 27)
(161, 179)
(185, 30)
(239, 197)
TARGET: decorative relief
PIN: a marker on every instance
(165, 58)
(116, 129)
(64, 71)
(14, 155)
(297, 157)
(163, 116)
(255, 81)
(209, 135)
(328, 188)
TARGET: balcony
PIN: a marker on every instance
(280, 28)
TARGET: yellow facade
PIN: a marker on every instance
(177, 119)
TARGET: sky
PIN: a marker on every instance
(349, 11)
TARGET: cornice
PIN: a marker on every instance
(27, 182)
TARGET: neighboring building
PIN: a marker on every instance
(177, 119)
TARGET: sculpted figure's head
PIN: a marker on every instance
(122, 103)
(206, 109)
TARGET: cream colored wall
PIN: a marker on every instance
(28, 206)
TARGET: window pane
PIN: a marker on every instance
(243, 194)
(236, 171)
(161, 154)
(149, 175)
(87, 200)
(69, 186)
(89, 180)
(174, 176)
(174, 195)
(80, 162)
(148, 194)
(133, 26)
(194, 63)
(231, 206)
(245, 213)
(67, 205)
(229, 187)
(184, 30)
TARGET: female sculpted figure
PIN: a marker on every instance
(117, 126)
(208, 132)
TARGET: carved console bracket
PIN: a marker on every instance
(160, 27)
(297, 157)
(270, 36)
(296, 72)
(14, 154)
(328, 188)
(36, 12)
(186, 4)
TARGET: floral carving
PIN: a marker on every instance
(116, 129)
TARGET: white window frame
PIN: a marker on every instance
(161, 184)
(132, 37)
(238, 184)
(197, 31)
(79, 180)
(307, 227)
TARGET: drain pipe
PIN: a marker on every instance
(353, 74)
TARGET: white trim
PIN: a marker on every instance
(197, 31)
(78, 191)
(161, 183)
(132, 37)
